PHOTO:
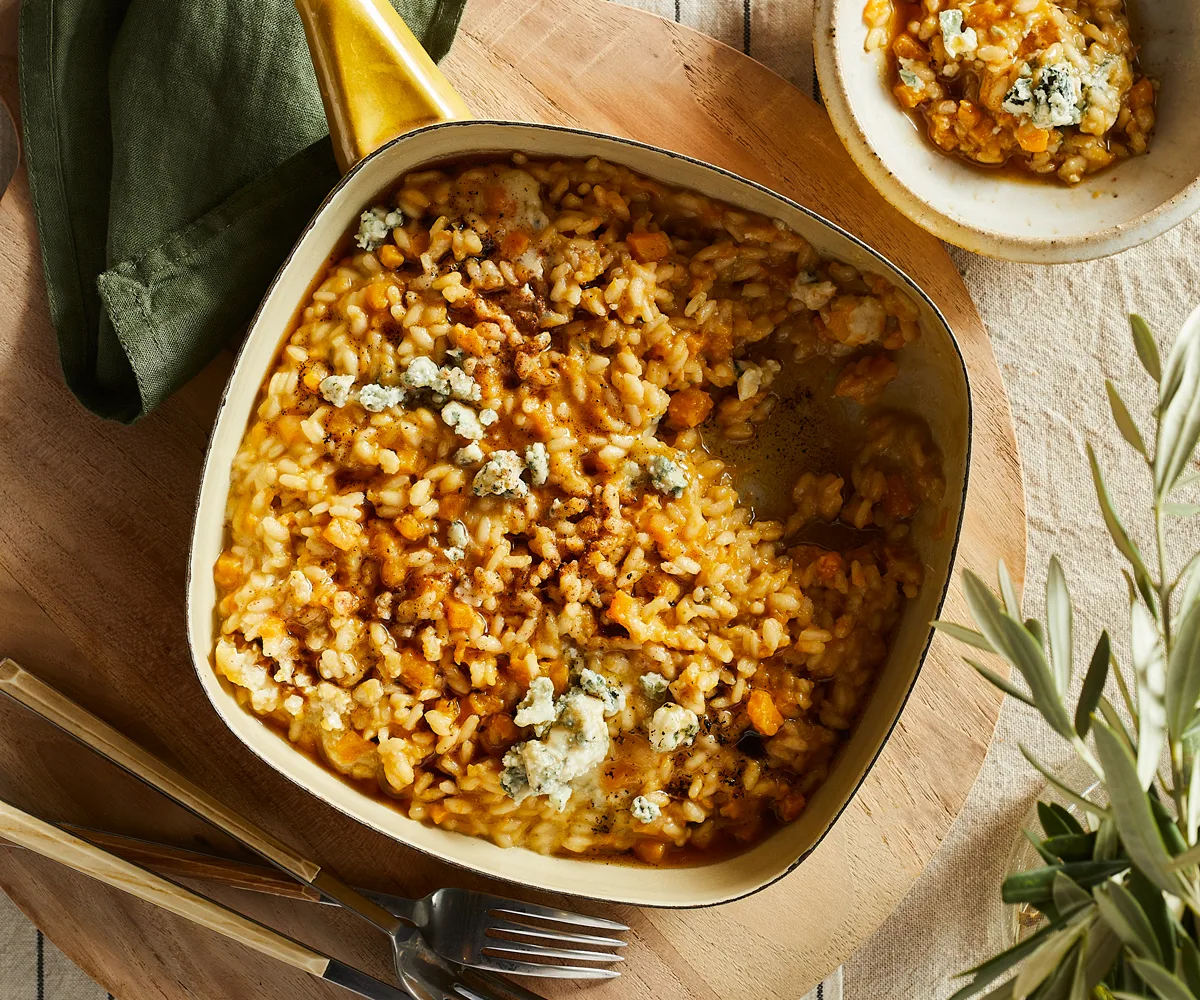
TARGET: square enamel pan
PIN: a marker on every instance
(378, 144)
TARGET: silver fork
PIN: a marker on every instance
(488, 932)
(492, 932)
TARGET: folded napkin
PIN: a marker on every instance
(175, 150)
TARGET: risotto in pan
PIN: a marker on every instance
(486, 547)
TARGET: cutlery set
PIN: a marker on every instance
(449, 945)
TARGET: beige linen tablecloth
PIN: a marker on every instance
(1057, 332)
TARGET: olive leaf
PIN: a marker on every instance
(1131, 810)
(1150, 668)
(1166, 984)
(996, 966)
(1059, 624)
(1012, 602)
(1125, 915)
(1146, 348)
(967, 636)
(1124, 420)
(1067, 893)
(1102, 952)
(1125, 545)
(1178, 407)
(1154, 904)
(1012, 641)
(1189, 962)
(1057, 821)
(1079, 984)
(1193, 810)
(1107, 841)
(1181, 509)
(1190, 579)
(1093, 684)
(1049, 857)
(1045, 960)
(1071, 846)
(996, 680)
(1115, 722)
(1036, 886)
(1183, 673)
(1034, 628)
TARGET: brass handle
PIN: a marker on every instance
(49, 841)
(376, 80)
(53, 706)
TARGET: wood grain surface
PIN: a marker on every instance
(93, 540)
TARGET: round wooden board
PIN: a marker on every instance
(94, 532)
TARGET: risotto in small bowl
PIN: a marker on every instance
(1040, 130)
(581, 516)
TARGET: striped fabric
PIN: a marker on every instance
(777, 33)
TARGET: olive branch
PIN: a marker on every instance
(1118, 887)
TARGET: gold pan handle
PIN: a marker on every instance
(376, 80)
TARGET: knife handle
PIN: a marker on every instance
(51, 842)
(178, 862)
(55, 707)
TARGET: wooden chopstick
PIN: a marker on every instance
(178, 862)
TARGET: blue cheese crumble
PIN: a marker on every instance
(1019, 99)
(537, 708)
(654, 686)
(673, 726)
(570, 749)
(461, 385)
(537, 458)
(599, 686)
(457, 535)
(501, 476)
(375, 225)
(644, 811)
(666, 476)
(425, 373)
(908, 77)
(463, 420)
(337, 389)
(1052, 98)
(378, 398)
(958, 41)
(468, 455)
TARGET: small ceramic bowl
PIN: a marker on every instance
(1010, 217)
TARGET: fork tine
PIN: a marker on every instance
(504, 946)
(512, 967)
(469, 994)
(525, 930)
(506, 906)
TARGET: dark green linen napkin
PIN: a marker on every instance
(175, 150)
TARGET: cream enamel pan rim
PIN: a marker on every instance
(704, 885)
